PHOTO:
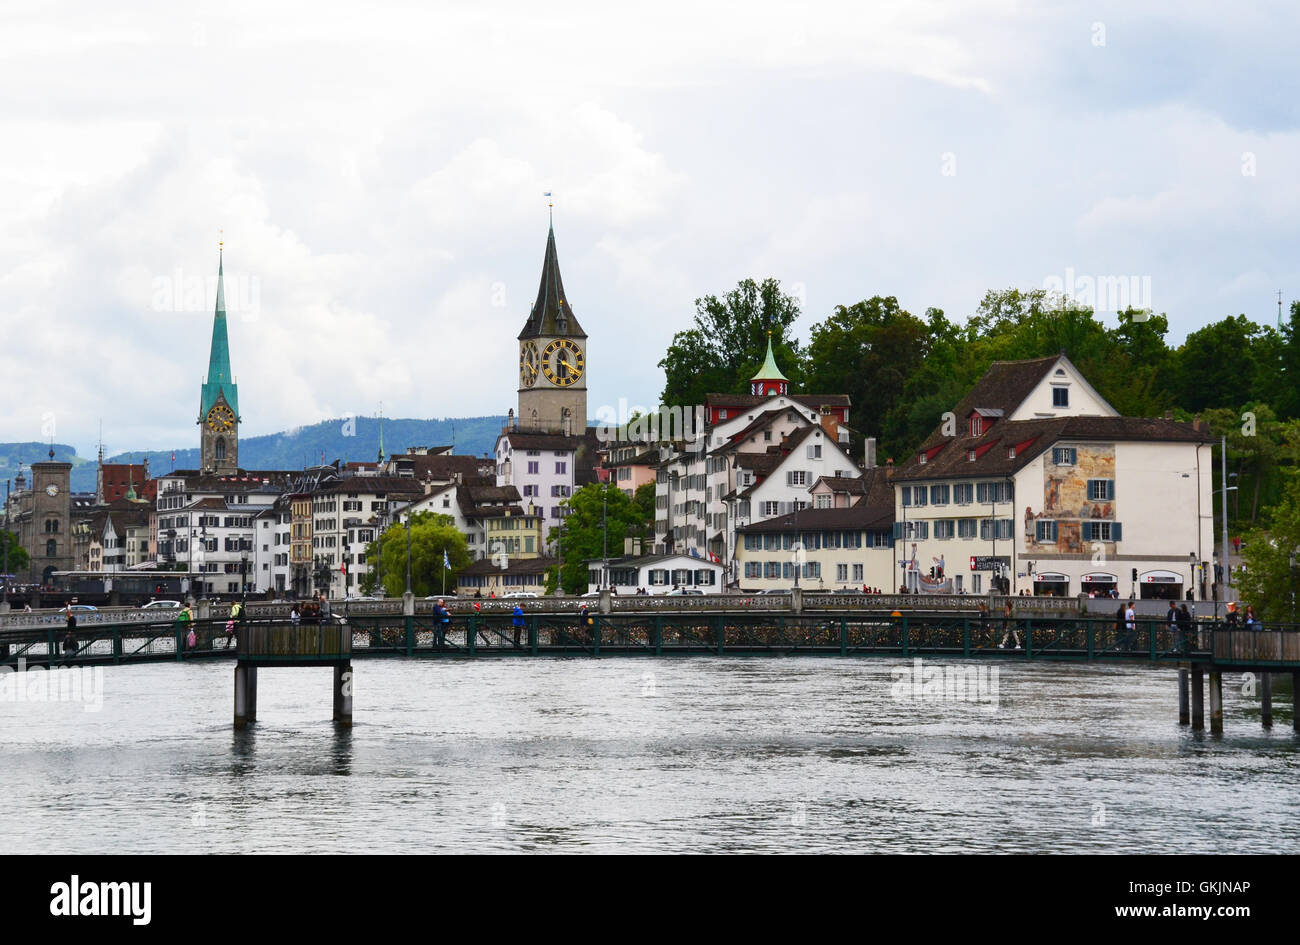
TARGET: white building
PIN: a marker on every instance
(1037, 481)
(657, 574)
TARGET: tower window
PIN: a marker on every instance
(51, 548)
(220, 449)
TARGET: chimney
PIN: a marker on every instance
(1196, 423)
(869, 453)
(831, 424)
(889, 468)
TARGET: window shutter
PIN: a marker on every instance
(1115, 531)
(1110, 488)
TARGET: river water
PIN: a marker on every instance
(801, 754)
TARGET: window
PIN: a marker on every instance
(963, 493)
(771, 569)
(939, 495)
(966, 528)
(561, 468)
(907, 496)
(1064, 455)
(857, 573)
(753, 569)
(944, 530)
(1045, 531)
(996, 529)
(771, 508)
(815, 451)
(1101, 531)
(988, 492)
(533, 468)
(919, 495)
(767, 435)
(841, 573)
(753, 542)
(1060, 396)
(1101, 490)
(822, 502)
(796, 477)
(976, 425)
(51, 548)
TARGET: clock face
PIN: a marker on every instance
(528, 364)
(51, 490)
(562, 362)
(221, 419)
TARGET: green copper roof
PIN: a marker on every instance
(220, 380)
(551, 315)
(769, 371)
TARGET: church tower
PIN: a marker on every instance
(219, 401)
(552, 358)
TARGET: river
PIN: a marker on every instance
(803, 754)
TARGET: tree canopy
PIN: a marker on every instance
(597, 519)
(431, 535)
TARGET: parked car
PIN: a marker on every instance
(682, 592)
(82, 609)
(519, 594)
(778, 590)
(162, 605)
(442, 597)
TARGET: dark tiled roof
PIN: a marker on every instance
(551, 315)
(515, 566)
(953, 462)
(522, 440)
(813, 520)
(371, 485)
(753, 400)
(443, 467)
(1002, 389)
(853, 485)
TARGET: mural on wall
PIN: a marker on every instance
(1065, 500)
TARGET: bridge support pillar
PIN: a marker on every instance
(1266, 699)
(1295, 701)
(1216, 701)
(245, 694)
(343, 693)
(1184, 710)
(1198, 700)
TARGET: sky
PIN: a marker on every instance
(376, 173)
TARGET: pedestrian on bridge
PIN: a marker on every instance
(517, 619)
(70, 640)
(1009, 629)
(1184, 636)
(441, 623)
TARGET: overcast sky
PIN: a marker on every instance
(376, 171)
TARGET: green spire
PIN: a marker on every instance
(769, 371)
(219, 380)
(381, 434)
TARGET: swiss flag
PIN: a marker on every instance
(343, 568)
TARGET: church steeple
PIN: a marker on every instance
(219, 380)
(219, 398)
(769, 379)
(551, 316)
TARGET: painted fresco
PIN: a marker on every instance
(1065, 499)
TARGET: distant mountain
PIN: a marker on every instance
(350, 440)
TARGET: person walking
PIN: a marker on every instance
(517, 621)
(1130, 625)
(441, 623)
(1251, 621)
(70, 639)
(295, 617)
(1009, 629)
(1184, 636)
(585, 622)
(1171, 621)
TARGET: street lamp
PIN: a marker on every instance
(1191, 560)
(243, 576)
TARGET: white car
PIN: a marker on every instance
(161, 605)
(518, 594)
(682, 592)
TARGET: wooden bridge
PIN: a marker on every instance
(1209, 647)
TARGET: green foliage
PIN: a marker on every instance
(729, 341)
(19, 561)
(1269, 580)
(589, 512)
(431, 535)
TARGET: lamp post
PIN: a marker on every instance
(1191, 591)
(6, 537)
(604, 538)
(1292, 576)
(243, 576)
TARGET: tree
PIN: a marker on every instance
(596, 520)
(18, 558)
(1268, 580)
(1216, 366)
(868, 350)
(431, 536)
(727, 345)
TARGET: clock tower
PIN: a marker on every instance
(552, 358)
(219, 400)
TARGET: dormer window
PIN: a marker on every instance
(923, 459)
(976, 425)
(1011, 453)
(970, 456)
(1060, 396)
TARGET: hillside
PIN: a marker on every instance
(350, 440)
